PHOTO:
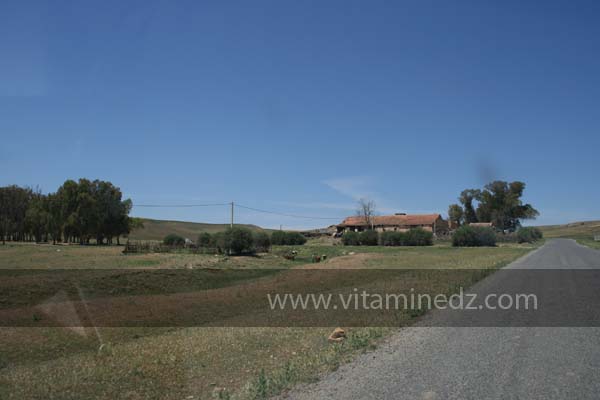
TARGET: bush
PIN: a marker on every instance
(486, 236)
(205, 240)
(282, 238)
(295, 238)
(262, 241)
(174, 240)
(218, 240)
(368, 238)
(239, 241)
(278, 238)
(509, 237)
(529, 234)
(469, 236)
(390, 238)
(351, 238)
(418, 237)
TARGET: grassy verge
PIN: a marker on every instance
(589, 242)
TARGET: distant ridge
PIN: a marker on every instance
(155, 229)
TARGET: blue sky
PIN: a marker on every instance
(303, 107)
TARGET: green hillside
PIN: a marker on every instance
(155, 229)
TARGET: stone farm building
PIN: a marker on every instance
(482, 224)
(398, 222)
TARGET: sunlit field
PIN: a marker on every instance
(198, 362)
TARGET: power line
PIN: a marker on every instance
(237, 205)
(179, 205)
(285, 215)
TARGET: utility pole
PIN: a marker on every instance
(232, 214)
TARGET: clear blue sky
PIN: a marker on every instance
(302, 107)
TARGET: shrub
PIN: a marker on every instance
(218, 240)
(239, 241)
(205, 240)
(469, 236)
(418, 237)
(368, 238)
(390, 238)
(287, 238)
(174, 240)
(351, 239)
(262, 241)
(509, 237)
(294, 238)
(529, 234)
(278, 238)
(486, 236)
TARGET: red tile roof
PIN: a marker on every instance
(399, 220)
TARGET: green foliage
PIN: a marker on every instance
(174, 240)
(351, 238)
(391, 238)
(278, 238)
(368, 238)
(219, 241)
(239, 241)
(14, 202)
(508, 237)
(413, 237)
(205, 240)
(295, 238)
(467, 197)
(456, 214)
(499, 202)
(261, 386)
(529, 234)
(418, 237)
(262, 241)
(78, 211)
(486, 236)
(282, 238)
(470, 236)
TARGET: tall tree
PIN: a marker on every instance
(456, 214)
(467, 197)
(55, 217)
(37, 217)
(14, 202)
(499, 202)
(366, 210)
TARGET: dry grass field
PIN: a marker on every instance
(197, 362)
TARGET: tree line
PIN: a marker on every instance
(77, 212)
(499, 202)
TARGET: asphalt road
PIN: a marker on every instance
(428, 362)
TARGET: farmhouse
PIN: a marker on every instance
(398, 222)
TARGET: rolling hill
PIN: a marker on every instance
(583, 230)
(155, 229)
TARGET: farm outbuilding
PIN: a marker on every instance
(398, 222)
(482, 224)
